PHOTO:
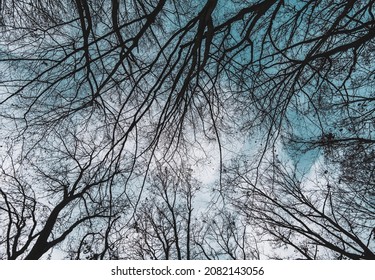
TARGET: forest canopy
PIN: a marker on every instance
(167, 129)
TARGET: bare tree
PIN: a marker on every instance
(163, 224)
(310, 100)
(315, 218)
(92, 92)
(224, 235)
